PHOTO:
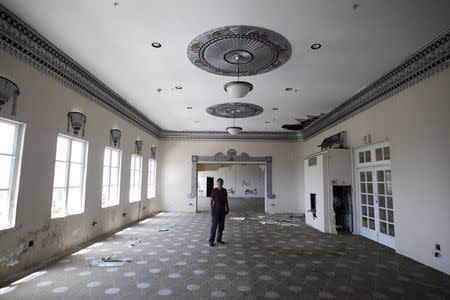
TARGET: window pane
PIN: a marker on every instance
(105, 176)
(379, 154)
(114, 176)
(370, 188)
(380, 176)
(371, 212)
(105, 196)
(58, 202)
(59, 179)
(389, 202)
(137, 177)
(361, 157)
(381, 189)
(363, 187)
(364, 222)
(113, 198)
(382, 214)
(391, 229)
(77, 154)
(369, 176)
(372, 224)
(364, 210)
(370, 200)
(107, 157)
(390, 216)
(6, 163)
(363, 199)
(383, 227)
(362, 176)
(62, 144)
(368, 156)
(382, 201)
(387, 153)
(76, 175)
(4, 209)
(388, 176)
(74, 200)
(389, 189)
(7, 135)
(115, 158)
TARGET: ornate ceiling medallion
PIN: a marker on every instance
(234, 110)
(260, 50)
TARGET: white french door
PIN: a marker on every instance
(374, 194)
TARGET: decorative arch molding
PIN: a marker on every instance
(232, 156)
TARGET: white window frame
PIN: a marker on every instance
(109, 167)
(83, 179)
(14, 178)
(135, 187)
(151, 186)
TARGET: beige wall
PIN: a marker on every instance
(416, 122)
(43, 106)
(175, 177)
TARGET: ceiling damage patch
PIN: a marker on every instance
(302, 123)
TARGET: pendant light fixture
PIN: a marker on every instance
(238, 89)
(234, 130)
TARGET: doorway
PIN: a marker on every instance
(374, 193)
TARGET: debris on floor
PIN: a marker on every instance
(108, 262)
(133, 242)
(238, 218)
(167, 228)
(281, 219)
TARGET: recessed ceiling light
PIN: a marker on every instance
(179, 87)
(274, 108)
(288, 89)
(316, 46)
(197, 121)
(116, 3)
(156, 45)
(189, 107)
(267, 122)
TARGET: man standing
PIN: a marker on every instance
(219, 208)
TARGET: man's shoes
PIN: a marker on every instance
(221, 242)
(211, 244)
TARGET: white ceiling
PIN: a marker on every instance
(113, 43)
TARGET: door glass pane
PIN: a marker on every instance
(364, 210)
(363, 187)
(362, 176)
(389, 202)
(371, 212)
(390, 216)
(369, 176)
(387, 153)
(389, 189)
(59, 179)
(364, 222)
(7, 136)
(77, 152)
(388, 175)
(74, 200)
(76, 175)
(6, 163)
(391, 229)
(383, 227)
(382, 213)
(380, 176)
(370, 199)
(370, 188)
(372, 224)
(381, 201)
(379, 154)
(381, 189)
(363, 199)
(62, 145)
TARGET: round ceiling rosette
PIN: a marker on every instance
(234, 110)
(259, 50)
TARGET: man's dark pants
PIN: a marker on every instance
(218, 220)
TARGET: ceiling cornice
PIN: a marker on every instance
(22, 41)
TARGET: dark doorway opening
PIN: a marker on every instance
(209, 186)
(312, 203)
(342, 205)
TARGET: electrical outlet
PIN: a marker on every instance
(437, 247)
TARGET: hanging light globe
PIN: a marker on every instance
(238, 89)
(234, 130)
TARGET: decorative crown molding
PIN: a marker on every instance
(427, 61)
(22, 41)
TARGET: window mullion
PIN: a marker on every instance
(69, 158)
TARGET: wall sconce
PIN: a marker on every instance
(115, 135)
(77, 120)
(153, 150)
(138, 145)
(8, 89)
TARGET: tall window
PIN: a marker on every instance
(70, 177)
(135, 178)
(11, 137)
(111, 177)
(151, 189)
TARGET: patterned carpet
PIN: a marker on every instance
(171, 259)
